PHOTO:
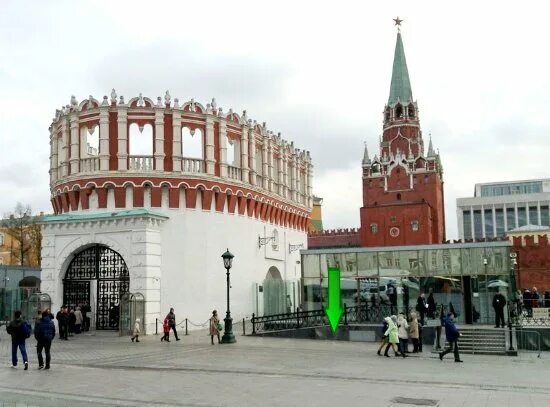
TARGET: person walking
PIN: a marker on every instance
(452, 333)
(137, 331)
(172, 322)
(78, 321)
(421, 307)
(20, 330)
(214, 327)
(385, 340)
(403, 334)
(414, 332)
(166, 330)
(393, 339)
(86, 309)
(44, 332)
(499, 302)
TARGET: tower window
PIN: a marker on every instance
(393, 219)
(398, 196)
(414, 226)
(398, 111)
(411, 111)
(373, 228)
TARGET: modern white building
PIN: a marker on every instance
(499, 207)
(166, 189)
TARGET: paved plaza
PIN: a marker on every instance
(109, 370)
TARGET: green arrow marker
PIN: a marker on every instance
(334, 310)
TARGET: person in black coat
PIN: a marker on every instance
(421, 307)
(44, 332)
(431, 305)
(499, 302)
(63, 321)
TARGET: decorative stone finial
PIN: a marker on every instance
(159, 102)
(167, 98)
(220, 112)
(74, 102)
(176, 102)
(140, 101)
(208, 108)
(121, 100)
(214, 104)
(193, 108)
(113, 97)
(105, 101)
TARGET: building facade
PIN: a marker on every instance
(403, 200)
(22, 249)
(497, 208)
(463, 277)
(157, 223)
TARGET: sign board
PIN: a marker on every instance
(541, 313)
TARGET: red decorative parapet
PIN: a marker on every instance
(349, 237)
(533, 258)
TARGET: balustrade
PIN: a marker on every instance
(194, 165)
(90, 164)
(233, 172)
(259, 180)
(140, 163)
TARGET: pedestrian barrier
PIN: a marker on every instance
(529, 341)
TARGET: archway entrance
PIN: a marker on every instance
(97, 276)
(274, 292)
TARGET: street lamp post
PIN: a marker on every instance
(228, 336)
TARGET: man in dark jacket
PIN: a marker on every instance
(421, 307)
(44, 332)
(62, 321)
(18, 329)
(171, 317)
(452, 333)
(498, 304)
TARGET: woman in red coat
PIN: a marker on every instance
(166, 330)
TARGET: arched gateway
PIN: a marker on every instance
(97, 276)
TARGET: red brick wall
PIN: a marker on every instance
(334, 238)
(533, 263)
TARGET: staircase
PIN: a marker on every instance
(486, 341)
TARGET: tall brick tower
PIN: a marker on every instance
(403, 186)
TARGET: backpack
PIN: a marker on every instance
(26, 329)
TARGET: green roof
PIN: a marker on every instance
(102, 215)
(400, 88)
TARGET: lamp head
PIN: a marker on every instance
(227, 259)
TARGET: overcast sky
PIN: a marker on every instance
(318, 72)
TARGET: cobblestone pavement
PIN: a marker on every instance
(105, 369)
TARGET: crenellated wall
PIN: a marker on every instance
(533, 262)
(334, 238)
(268, 178)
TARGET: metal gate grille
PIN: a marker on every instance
(108, 268)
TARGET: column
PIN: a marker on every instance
(159, 139)
(176, 143)
(284, 181)
(265, 163)
(527, 213)
(494, 222)
(122, 122)
(472, 222)
(53, 155)
(505, 218)
(104, 138)
(209, 141)
(281, 175)
(244, 155)
(83, 145)
(223, 147)
(253, 158)
(269, 173)
(64, 148)
(483, 222)
(538, 214)
(75, 156)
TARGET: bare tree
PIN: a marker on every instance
(25, 233)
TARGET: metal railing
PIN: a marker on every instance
(520, 315)
(529, 341)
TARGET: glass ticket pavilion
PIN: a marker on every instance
(463, 277)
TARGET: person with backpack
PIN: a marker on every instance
(20, 330)
(44, 332)
(452, 333)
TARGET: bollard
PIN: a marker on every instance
(244, 330)
(253, 324)
(297, 317)
(345, 314)
(186, 332)
(156, 326)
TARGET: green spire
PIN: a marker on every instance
(400, 82)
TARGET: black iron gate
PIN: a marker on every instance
(106, 267)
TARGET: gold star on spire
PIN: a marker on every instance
(398, 22)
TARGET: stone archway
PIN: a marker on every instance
(97, 276)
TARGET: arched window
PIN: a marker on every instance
(411, 111)
(398, 196)
(192, 143)
(231, 147)
(91, 143)
(398, 111)
(140, 140)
